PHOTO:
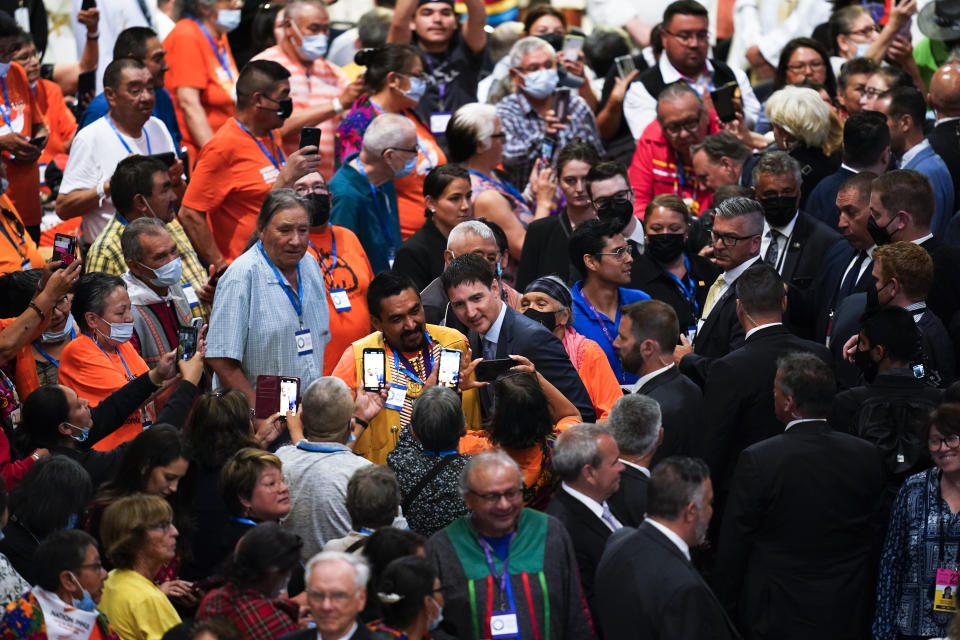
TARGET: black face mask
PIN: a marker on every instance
(617, 209)
(779, 210)
(665, 247)
(554, 39)
(546, 318)
(865, 363)
(286, 108)
(319, 208)
(879, 233)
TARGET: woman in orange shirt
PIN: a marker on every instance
(548, 301)
(202, 75)
(395, 81)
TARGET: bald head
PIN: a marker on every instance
(944, 95)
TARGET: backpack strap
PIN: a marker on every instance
(433, 473)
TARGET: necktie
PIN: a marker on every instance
(607, 517)
(851, 277)
(145, 10)
(712, 294)
(773, 250)
(489, 350)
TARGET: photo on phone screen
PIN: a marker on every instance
(449, 373)
(561, 103)
(547, 147)
(289, 390)
(187, 337)
(625, 65)
(374, 368)
(64, 248)
(572, 43)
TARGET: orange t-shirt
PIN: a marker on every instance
(16, 245)
(232, 177)
(25, 377)
(351, 272)
(21, 110)
(410, 189)
(60, 119)
(94, 373)
(599, 379)
(195, 63)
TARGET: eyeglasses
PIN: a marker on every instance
(952, 441)
(512, 495)
(866, 31)
(320, 189)
(874, 92)
(620, 254)
(413, 150)
(728, 239)
(63, 304)
(96, 566)
(602, 201)
(336, 597)
(500, 136)
(690, 125)
(689, 37)
(813, 65)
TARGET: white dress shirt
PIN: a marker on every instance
(636, 466)
(912, 153)
(644, 379)
(783, 241)
(596, 508)
(759, 327)
(671, 536)
(799, 420)
(493, 333)
(729, 277)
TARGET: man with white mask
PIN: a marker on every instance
(531, 128)
(319, 89)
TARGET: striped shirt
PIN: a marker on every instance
(311, 88)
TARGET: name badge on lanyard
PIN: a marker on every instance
(438, 123)
(396, 395)
(504, 625)
(304, 342)
(341, 302)
(945, 592)
(190, 294)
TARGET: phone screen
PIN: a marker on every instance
(625, 65)
(723, 104)
(573, 43)
(561, 103)
(546, 150)
(187, 336)
(374, 365)
(288, 394)
(449, 373)
(63, 248)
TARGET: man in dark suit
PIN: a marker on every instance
(794, 242)
(634, 422)
(866, 147)
(328, 574)
(645, 341)
(646, 586)
(738, 405)
(587, 460)
(794, 559)
(496, 331)
(737, 231)
(944, 99)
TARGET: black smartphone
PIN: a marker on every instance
(187, 337)
(449, 373)
(64, 248)
(309, 137)
(490, 370)
(625, 65)
(289, 394)
(86, 83)
(723, 101)
(39, 142)
(374, 364)
(88, 4)
(168, 158)
(215, 278)
(561, 103)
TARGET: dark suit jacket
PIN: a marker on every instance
(647, 590)
(588, 533)
(944, 295)
(362, 633)
(421, 256)
(520, 335)
(945, 140)
(545, 252)
(629, 503)
(650, 277)
(795, 546)
(809, 243)
(814, 166)
(822, 203)
(681, 404)
(738, 399)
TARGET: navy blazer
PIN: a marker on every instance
(809, 243)
(822, 203)
(681, 406)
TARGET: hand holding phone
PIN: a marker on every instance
(187, 338)
(310, 137)
(64, 248)
(448, 374)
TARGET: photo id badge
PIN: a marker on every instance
(190, 294)
(503, 624)
(438, 123)
(340, 300)
(396, 394)
(304, 342)
(945, 592)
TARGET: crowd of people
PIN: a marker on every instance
(421, 319)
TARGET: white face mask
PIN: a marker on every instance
(312, 47)
(57, 336)
(228, 19)
(540, 84)
(119, 331)
(166, 275)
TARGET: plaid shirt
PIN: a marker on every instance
(526, 130)
(106, 256)
(254, 615)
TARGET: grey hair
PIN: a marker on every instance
(295, 7)
(576, 448)
(278, 200)
(437, 418)
(361, 569)
(130, 239)
(634, 422)
(327, 407)
(523, 46)
(484, 459)
(385, 131)
(373, 27)
(777, 163)
(677, 90)
(674, 484)
(477, 119)
(801, 112)
(471, 227)
(742, 207)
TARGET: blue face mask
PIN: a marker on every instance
(228, 19)
(418, 87)
(84, 434)
(314, 47)
(85, 603)
(406, 169)
(57, 336)
(540, 84)
(862, 49)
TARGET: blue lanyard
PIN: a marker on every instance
(379, 205)
(599, 318)
(124, 142)
(124, 362)
(23, 239)
(216, 49)
(688, 289)
(408, 369)
(333, 254)
(506, 186)
(248, 521)
(9, 112)
(307, 446)
(51, 359)
(502, 577)
(448, 452)
(369, 532)
(297, 301)
(121, 219)
(266, 152)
